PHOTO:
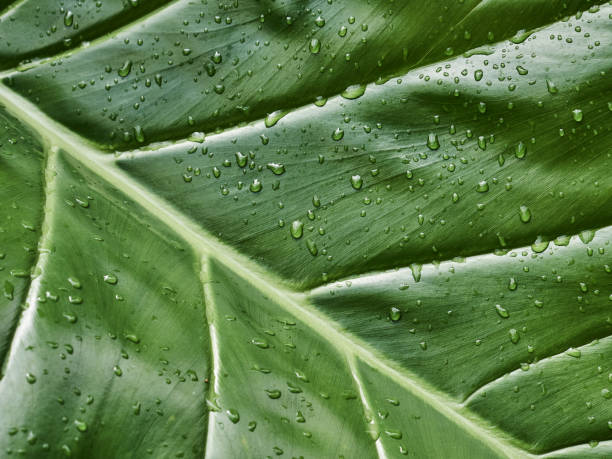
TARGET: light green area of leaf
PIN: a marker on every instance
(416, 266)
(21, 163)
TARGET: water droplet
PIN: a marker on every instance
(241, 159)
(356, 182)
(217, 58)
(261, 343)
(68, 18)
(30, 378)
(503, 312)
(432, 141)
(478, 75)
(539, 245)
(538, 303)
(395, 434)
(353, 92)
(312, 247)
(338, 134)
(315, 46)
(521, 70)
(521, 150)
(80, 425)
(415, 269)
(586, 236)
(483, 186)
(512, 285)
(514, 335)
(395, 314)
(274, 117)
(273, 393)
(296, 229)
(276, 168)
(577, 115)
(525, 214)
(552, 89)
(139, 134)
(110, 279)
(233, 415)
(125, 69)
(573, 352)
(256, 186)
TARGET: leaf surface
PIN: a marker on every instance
(364, 229)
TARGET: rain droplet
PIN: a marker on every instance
(573, 352)
(256, 186)
(521, 150)
(315, 46)
(353, 92)
(483, 186)
(125, 69)
(274, 117)
(297, 229)
(233, 415)
(276, 168)
(503, 312)
(395, 314)
(110, 279)
(432, 141)
(577, 114)
(356, 182)
(68, 18)
(525, 214)
(514, 335)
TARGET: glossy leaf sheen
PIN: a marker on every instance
(350, 229)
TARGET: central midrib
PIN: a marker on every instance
(57, 136)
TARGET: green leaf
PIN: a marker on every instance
(350, 229)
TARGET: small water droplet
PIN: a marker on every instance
(432, 141)
(274, 117)
(80, 425)
(125, 69)
(68, 18)
(356, 182)
(296, 229)
(483, 186)
(573, 352)
(110, 279)
(514, 336)
(525, 214)
(314, 46)
(255, 186)
(276, 168)
(395, 314)
(355, 91)
(233, 415)
(503, 312)
(521, 150)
